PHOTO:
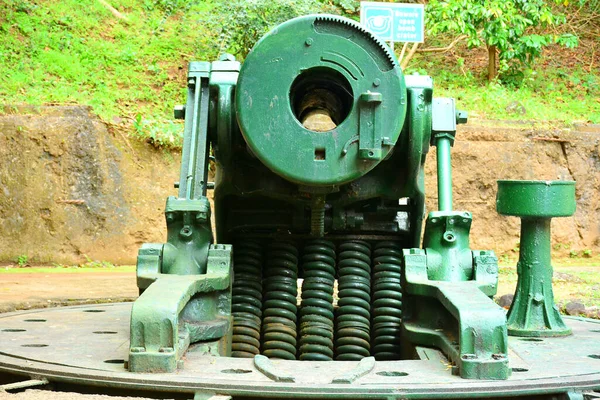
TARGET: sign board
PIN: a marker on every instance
(394, 22)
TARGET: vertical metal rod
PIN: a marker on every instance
(444, 174)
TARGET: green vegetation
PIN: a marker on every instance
(511, 30)
(129, 63)
(22, 260)
(569, 283)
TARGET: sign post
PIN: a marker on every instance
(394, 22)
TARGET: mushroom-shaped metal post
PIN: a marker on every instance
(533, 311)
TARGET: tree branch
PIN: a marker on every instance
(443, 49)
(410, 55)
(114, 11)
(403, 51)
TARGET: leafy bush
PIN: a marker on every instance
(159, 132)
(240, 23)
(510, 27)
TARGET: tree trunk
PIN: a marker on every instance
(492, 69)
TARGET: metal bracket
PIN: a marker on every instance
(370, 141)
(176, 310)
(458, 317)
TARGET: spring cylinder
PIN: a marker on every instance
(353, 315)
(387, 301)
(246, 304)
(279, 308)
(316, 312)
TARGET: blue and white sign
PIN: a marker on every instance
(395, 22)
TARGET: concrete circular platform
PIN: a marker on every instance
(87, 345)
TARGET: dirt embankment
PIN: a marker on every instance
(72, 189)
(485, 152)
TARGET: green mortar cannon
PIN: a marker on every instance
(319, 143)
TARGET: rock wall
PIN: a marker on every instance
(74, 189)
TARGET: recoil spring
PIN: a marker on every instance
(387, 301)
(316, 312)
(353, 315)
(279, 307)
(247, 299)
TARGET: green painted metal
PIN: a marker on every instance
(459, 318)
(444, 130)
(533, 311)
(264, 203)
(328, 65)
(310, 169)
(536, 199)
(185, 284)
(177, 310)
(448, 286)
(444, 170)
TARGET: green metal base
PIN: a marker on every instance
(540, 333)
(547, 367)
(178, 310)
(457, 317)
(533, 312)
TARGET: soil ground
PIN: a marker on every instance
(20, 291)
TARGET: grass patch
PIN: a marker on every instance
(569, 283)
(132, 72)
(556, 96)
(65, 52)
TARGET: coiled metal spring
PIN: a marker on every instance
(316, 312)
(353, 315)
(247, 299)
(387, 301)
(279, 307)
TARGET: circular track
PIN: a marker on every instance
(88, 344)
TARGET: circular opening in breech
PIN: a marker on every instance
(321, 99)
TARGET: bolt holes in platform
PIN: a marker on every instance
(13, 330)
(531, 340)
(519, 369)
(105, 332)
(391, 373)
(115, 361)
(34, 345)
(594, 356)
(92, 310)
(35, 320)
(236, 371)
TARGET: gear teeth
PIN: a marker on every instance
(365, 32)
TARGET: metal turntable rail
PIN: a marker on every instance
(88, 345)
